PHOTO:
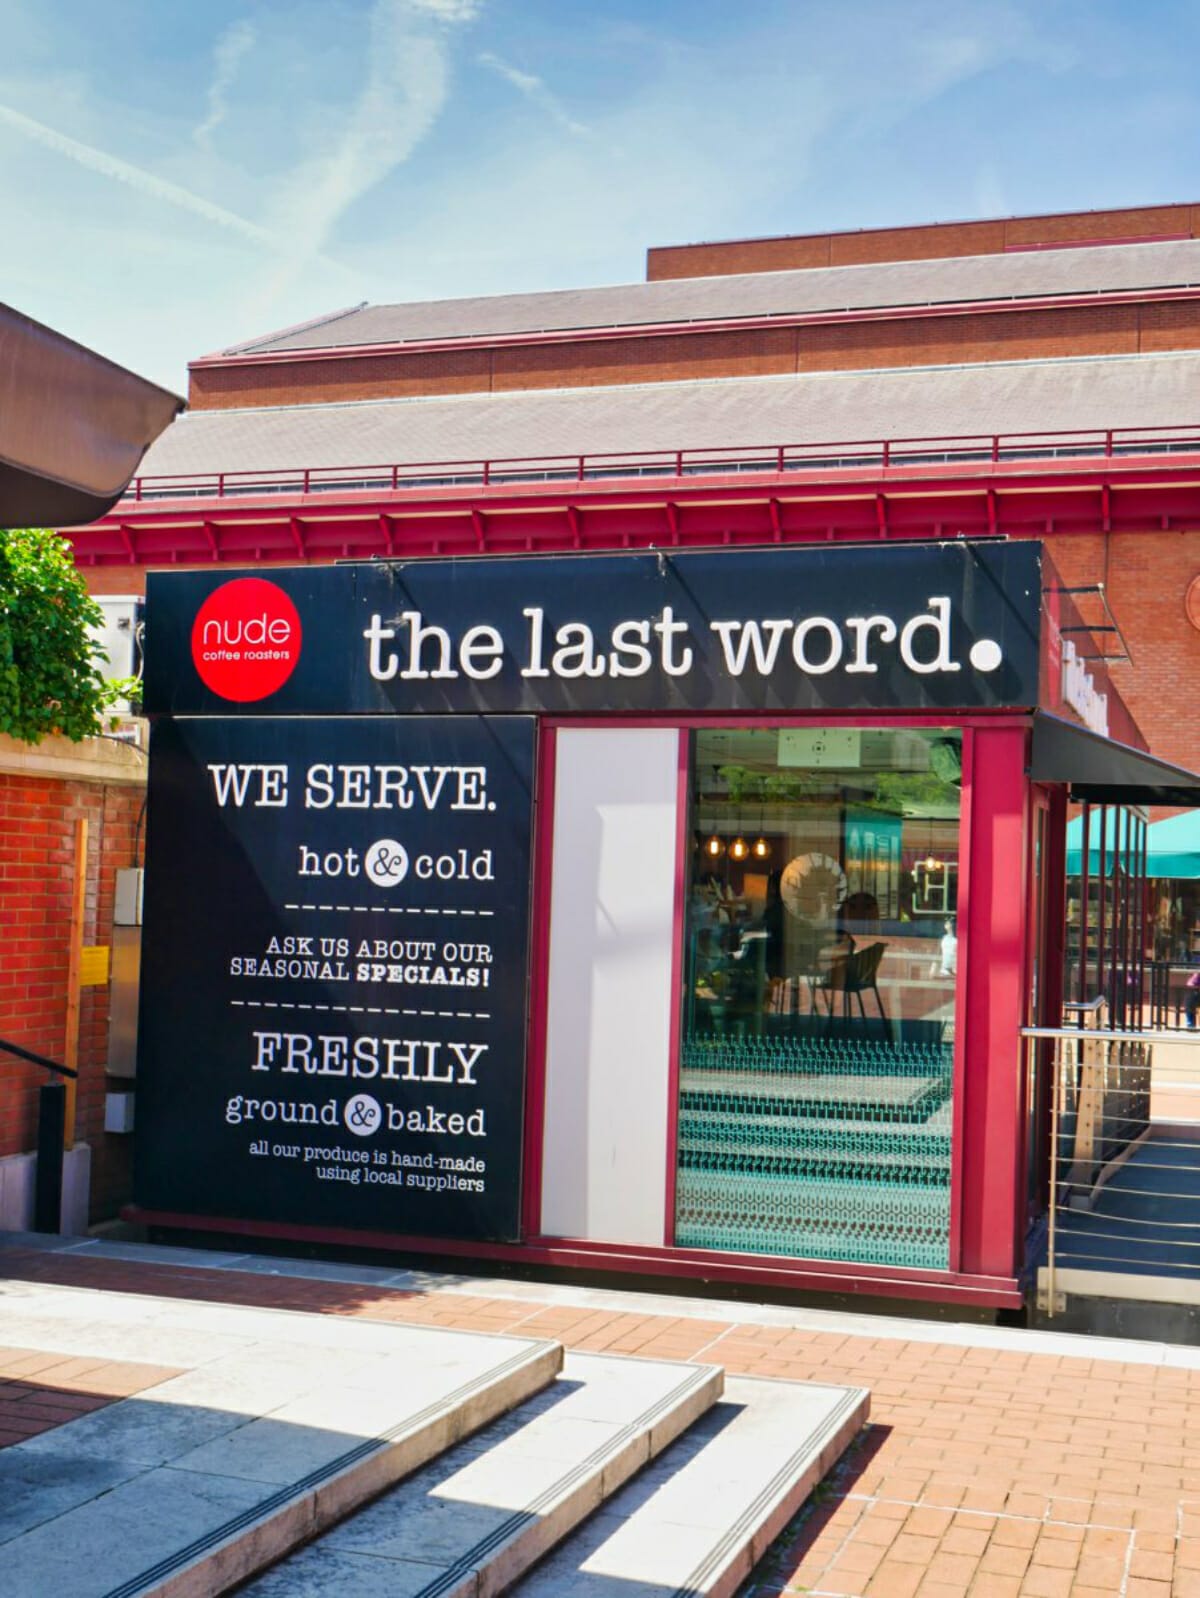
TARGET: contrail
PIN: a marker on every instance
(136, 177)
(406, 87)
(233, 44)
(534, 88)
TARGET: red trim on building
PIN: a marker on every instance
(1004, 500)
(682, 856)
(995, 1002)
(958, 1105)
(860, 1281)
(539, 981)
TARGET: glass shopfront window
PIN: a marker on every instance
(815, 1095)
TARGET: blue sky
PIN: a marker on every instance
(177, 177)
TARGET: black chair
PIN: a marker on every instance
(857, 974)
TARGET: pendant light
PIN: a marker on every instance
(714, 845)
(760, 848)
(739, 848)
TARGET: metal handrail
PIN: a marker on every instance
(48, 1173)
(828, 455)
(36, 1059)
(1083, 1036)
(1103, 1035)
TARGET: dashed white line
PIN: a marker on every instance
(361, 1009)
(391, 909)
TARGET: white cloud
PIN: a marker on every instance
(136, 177)
(449, 10)
(236, 41)
(405, 90)
(533, 88)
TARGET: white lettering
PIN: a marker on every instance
(737, 649)
(418, 636)
(811, 625)
(629, 639)
(940, 623)
(862, 628)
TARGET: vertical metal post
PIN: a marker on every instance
(1085, 882)
(1101, 898)
(48, 1177)
(74, 964)
(1143, 916)
(1055, 1111)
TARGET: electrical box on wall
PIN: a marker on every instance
(118, 1112)
(127, 897)
(126, 972)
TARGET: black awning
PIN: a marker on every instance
(1102, 772)
(73, 426)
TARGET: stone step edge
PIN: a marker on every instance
(530, 1533)
(725, 1566)
(732, 1559)
(261, 1536)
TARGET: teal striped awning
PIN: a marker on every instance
(1173, 846)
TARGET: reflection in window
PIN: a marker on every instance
(818, 1011)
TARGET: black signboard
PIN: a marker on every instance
(334, 972)
(929, 627)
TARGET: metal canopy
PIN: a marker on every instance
(1103, 772)
(73, 426)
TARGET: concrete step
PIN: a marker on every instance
(696, 1522)
(474, 1521)
(189, 1488)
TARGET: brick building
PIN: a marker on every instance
(1033, 379)
(995, 359)
(44, 793)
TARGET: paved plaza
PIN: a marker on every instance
(997, 1463)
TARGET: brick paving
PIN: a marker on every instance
(984, 1472)
(39, 1391)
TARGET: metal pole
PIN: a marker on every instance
(74, 959)
(1103, 900)
(1055, 1101)
(47, 1190)
(1085, 881)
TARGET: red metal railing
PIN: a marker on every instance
(850, 455)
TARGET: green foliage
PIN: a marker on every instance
(894, 790)
(745, 783)
(50, 678)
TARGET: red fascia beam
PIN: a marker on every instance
(901, 483)
(723, 324)
(925, 501)
(743, 516)
(1003, 477)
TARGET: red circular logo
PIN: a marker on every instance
(246, 639)
(1191, 602)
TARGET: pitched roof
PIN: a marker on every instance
(1024, 275)
(1123, 391)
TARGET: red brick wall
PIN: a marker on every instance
(1117, 328)
(349, 377)
(37, 831)
(1146, 575)
(939, 239)
(116, 579)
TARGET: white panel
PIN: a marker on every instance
(611, 994)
